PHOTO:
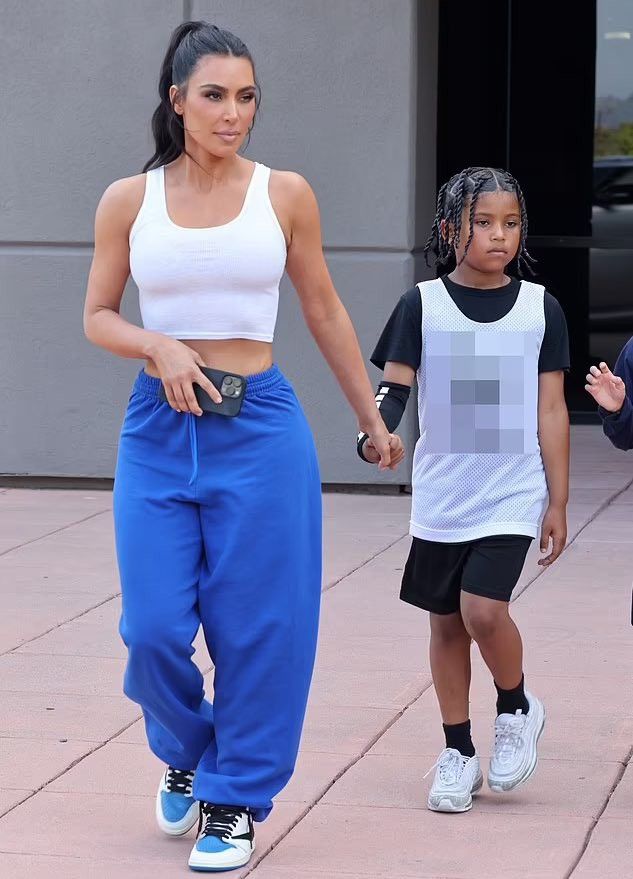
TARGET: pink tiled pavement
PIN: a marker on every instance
(414, 842)
(11, 797)
(610, 852)
(77, 781)
(38, 716)
(621, 803)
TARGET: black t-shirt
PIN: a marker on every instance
(401, 339)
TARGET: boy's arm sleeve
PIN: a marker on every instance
(391, 400)
(400, 342)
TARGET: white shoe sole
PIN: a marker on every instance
(447, 802)
(176, 828)
(505, 785)
(201, 863)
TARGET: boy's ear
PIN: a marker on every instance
(446, 231)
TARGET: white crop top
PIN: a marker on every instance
(220, 282)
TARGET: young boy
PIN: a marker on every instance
(490, 353)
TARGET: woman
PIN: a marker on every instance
(218, 519)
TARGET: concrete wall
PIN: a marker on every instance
(349, 101)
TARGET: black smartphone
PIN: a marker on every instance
(231, 386)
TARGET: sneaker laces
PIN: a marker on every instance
(218, 821)
(179, 781)
(450, 766)
(509, 735)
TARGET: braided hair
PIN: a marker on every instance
(462, 191)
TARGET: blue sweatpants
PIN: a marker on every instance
(218, 523)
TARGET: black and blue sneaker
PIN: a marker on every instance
(176, 810)
(226, 839)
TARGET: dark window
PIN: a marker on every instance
(548, 94)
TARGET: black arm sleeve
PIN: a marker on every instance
(554, 353)
(391, 401)
(401, 339)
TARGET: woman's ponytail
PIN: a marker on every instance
(190, 42)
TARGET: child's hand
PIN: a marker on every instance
(397, 451)
(606, 388)
(555, 527)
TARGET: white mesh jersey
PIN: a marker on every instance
(477, 467)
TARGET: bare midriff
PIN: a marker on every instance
(241, 356)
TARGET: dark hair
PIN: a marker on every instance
(464, 189)
(190, 42)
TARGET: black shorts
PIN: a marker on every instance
(436, 573)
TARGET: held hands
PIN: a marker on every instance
(395, 447)
(606, 388)
(179, 367)
(554, 527)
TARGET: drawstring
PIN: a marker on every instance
(193, 441)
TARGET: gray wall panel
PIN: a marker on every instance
(78, 89)
(425, 104)
(338, 83)
(61, 399)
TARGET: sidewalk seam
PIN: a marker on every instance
(332, 782)
(603, 506)
(596, 820)
(70, 766)
(362, 564)
(58, 626)
(55, 531)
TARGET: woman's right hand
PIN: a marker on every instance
(178, 366)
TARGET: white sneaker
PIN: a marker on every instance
(515, 754)
(456, 780)
(226, 839)
(176, 810)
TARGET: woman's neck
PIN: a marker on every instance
(202, 170)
